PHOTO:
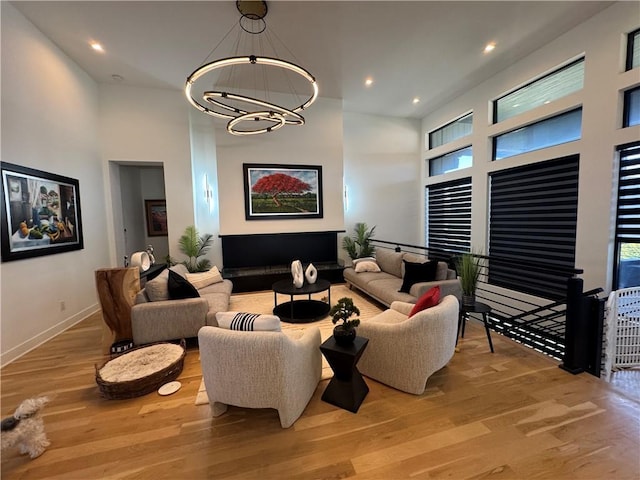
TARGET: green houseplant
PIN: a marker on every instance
(468, 267)
(195, 246)
(344, 332)
(359, 244)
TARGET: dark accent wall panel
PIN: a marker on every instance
(272, 249)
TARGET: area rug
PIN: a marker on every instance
(263, 302)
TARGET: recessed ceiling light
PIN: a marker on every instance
(416, 100)
(97, 47)
(489, 47)
(368, 82)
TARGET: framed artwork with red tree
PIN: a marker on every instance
(282, 191)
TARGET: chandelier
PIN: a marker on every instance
(256, 91)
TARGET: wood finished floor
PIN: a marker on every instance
(509, 415)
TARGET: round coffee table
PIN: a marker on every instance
(301, 311)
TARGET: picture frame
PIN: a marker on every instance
(275, 191)
(156, 214)
(40, 213)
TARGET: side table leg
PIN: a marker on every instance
(485, 317)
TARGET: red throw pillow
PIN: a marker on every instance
(430, 299)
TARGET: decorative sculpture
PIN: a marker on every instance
(311, 273)
(297, 273)
(152, 258)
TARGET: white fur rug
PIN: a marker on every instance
(263, 302)
(141, 363)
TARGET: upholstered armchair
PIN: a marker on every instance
(404, 352)
(278, 370)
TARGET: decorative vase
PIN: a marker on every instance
(297, 273)
(344, 336)
(468, 300)
(311, 274)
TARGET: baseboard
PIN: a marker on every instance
(25, 347)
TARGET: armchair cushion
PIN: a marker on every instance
(248, 321)
(180, 288)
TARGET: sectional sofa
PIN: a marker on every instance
(385, 285)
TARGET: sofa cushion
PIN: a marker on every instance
(181, 269)
(248, 321)
(179, 287)
(202, 279)
(157, 289)
(367, 266)
(389, 261)
(418, 272)
(430, 299)
(387, 290)
(442, 272)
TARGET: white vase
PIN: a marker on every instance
(311, 274)
(297, 273)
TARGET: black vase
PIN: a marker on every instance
(344, 337)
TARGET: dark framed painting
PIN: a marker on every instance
(156, 212)
(282, 191)
(40, 213)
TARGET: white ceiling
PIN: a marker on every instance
(431, 50)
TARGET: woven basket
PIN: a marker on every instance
(140, 386)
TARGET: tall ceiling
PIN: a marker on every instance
(425, 49)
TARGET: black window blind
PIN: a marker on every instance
(532, 222)
(449, 218)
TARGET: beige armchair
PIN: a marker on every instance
(404, 352)
(278, 370)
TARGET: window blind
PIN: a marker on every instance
(449, 218)
(533, 216)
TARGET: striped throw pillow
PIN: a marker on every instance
(248, 321)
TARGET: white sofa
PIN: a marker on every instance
(278, 370)
(384, 286)
(403, 352)
(156, 318)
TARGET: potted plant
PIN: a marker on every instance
(359, 244)
(194, 247)
(468, 267)
(345, 332)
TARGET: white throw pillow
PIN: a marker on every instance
(248, 321)
(202, 279)
(363, 259)
(367, 266)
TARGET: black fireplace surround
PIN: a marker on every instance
(253, 262)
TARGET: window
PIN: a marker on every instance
(532, 218)
(544, 90)
(556, 130)
(451, 131)
(449, 218)
(633, 49)
(627, 242)
(631, 114)
(450, 162)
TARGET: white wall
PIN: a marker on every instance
(382, 176)
(602, 39)
(318, 142)
(55, 131)
(204, 162)
(150, 126)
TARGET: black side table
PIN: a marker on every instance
(477, 307)
(347, 388)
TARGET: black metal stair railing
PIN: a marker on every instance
(567, 327)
